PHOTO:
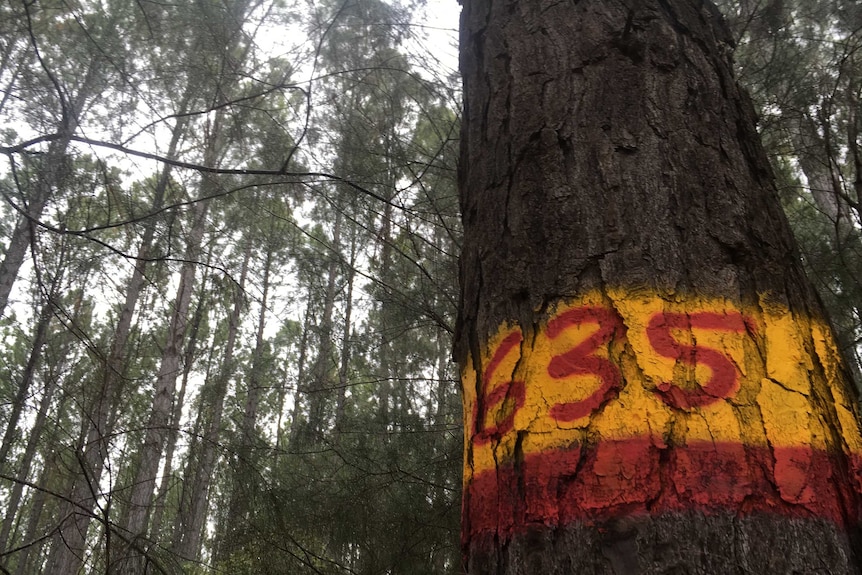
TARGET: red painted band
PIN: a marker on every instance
(624, 478)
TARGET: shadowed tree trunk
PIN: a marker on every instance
(142, 492)
(100, 413)
(322, 378)
(204, 451)
(650, 383)
(174, 430)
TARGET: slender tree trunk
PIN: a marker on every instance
(279, 423)
(198, 482)
(343, 370)
(51, 478)
(52, 173)
(143, 486)
(32, 539)
(13, 79)
(56, 477)
(385, 351)
(100, 414)
(113, 387)
(817, 161)
(176, 417)
(24, 385)
(150, 454)
(320, 386)
(181, 526)
(650, 384)
(296, 439)
(818, 164)
(248, 427)
(854, 93)
(442, 494)
(13, 505)
(34, 516)
(25, 228)
(242, 490)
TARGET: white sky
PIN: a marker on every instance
(442, 21)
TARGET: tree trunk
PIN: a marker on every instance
(820, 170)
(176, 417)
(199, 474)
(150, 453)
(440, 404)
(33, 536)
(650, 383)
(817, 162)
(181, 525)
(100, 413)
(27, 376)
(344, 367)
(52, 174)
(242, 472)
(33, 439)
(71, 521)
(295, 439)
(321, 383)
(248, 428)
(386, 376)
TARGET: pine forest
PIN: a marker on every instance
(229, 285)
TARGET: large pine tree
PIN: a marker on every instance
(650, 382)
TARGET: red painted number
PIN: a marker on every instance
(723, 382)
(501, 402)
(580, 359)
(514, 390)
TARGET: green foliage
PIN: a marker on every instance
(348, 283)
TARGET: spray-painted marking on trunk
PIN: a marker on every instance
(630, 369)
(723, 382)
(506, 398)
(581, 359)
(622, 478)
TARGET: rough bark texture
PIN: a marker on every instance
(622, 232)
(101, 411)
(143, 487)
(203, 453)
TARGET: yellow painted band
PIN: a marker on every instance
(628, 364)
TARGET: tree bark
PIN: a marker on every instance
(199, 474)
(650, 383)
(168, 479)
(296, 439)
(321, 381)
(100, 411)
